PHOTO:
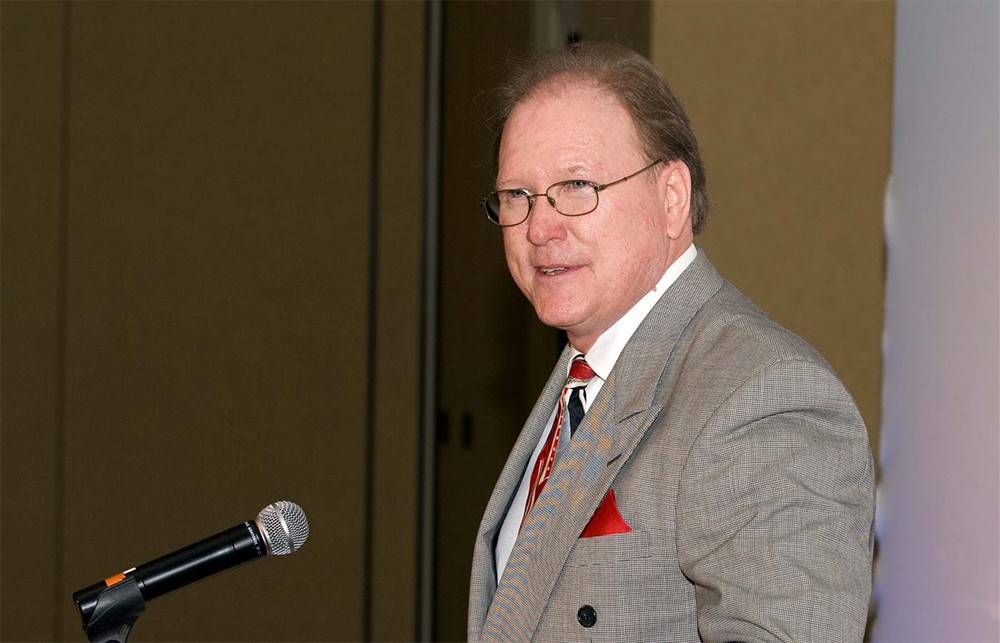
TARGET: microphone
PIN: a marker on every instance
(280, 528)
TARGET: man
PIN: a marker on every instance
(719, 485)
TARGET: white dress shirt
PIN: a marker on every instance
(601, 357)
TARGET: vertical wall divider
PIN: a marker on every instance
(434, 22)
(62, 286)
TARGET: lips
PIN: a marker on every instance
(554, 270)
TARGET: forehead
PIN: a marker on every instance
(565, 127)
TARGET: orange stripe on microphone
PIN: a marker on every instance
(117, 578)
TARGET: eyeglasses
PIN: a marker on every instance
(572, 198)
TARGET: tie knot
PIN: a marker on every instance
(580, 370)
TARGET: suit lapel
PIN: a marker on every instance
(611, 430)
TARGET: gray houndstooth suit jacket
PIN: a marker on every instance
(739, 461)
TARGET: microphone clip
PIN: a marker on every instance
(118, 607)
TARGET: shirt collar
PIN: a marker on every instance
(604, 353)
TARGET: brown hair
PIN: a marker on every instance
(659, 118)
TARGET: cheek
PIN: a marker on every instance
(516, 255)
(633, 253)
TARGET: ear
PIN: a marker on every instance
(675, 186)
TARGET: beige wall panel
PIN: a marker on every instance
(217, 302)
(29, 352)
(791, 102)
(398, 325)
(622, 21)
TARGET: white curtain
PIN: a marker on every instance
(937, 575)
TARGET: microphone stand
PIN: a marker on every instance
(118, 607)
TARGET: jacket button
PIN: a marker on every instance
(587, 616)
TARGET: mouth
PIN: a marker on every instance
(551, 271)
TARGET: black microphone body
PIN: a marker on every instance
(205, 558)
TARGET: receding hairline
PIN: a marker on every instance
(576, 81)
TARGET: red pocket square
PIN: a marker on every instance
(606, 520)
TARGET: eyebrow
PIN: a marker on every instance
(574, 169)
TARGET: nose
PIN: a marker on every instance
(544, 222)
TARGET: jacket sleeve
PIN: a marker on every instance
(775, 509)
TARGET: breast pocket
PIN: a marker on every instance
(602, 550)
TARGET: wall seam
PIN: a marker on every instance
(428, 406)
(61, 384)
(373, 259)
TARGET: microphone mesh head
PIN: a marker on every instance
(284, 525)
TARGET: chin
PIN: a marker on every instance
(558, 318)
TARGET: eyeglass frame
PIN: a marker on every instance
(598, 188)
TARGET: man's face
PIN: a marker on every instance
(584, 273)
